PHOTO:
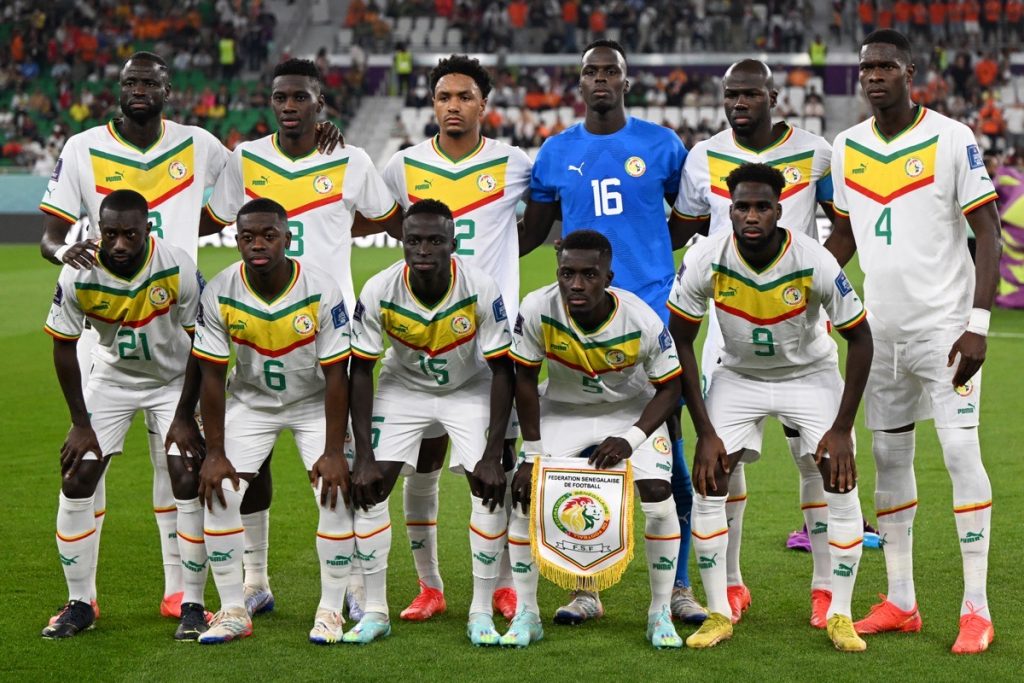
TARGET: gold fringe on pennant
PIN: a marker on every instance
(566, 578)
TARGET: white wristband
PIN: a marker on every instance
(59, 254)
(532, 450)
(978, 322)
(635, 437)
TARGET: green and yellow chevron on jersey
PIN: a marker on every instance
(884, 177)
(796, 169)
(296, 191)
(595, 357)
(157, 180)
(463, 190)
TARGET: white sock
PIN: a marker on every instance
(222, 530)
(815, 510)
(486, 545)
(505, 564)
(192, 548)
(76, 544)
(972, 508)
(373, 544)
(335, 546)
(524, 569)
(420, 496)
(896, 506)
(846, 542)
(257, 545)
(735, 506)
(711, 543)
(661, 545)
(166, 515)
(99, 513)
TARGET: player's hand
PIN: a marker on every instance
(972, 348)
(80, 440)
(488, 482)
(610, 453)
(184, 434)
(522, 484)
(367, 483)
(328, 136)
(215, 469)
(838, 444)
(707, 457)
(81, 254)
(333, 471)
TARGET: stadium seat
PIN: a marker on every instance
(813, 124)
(421, 25)
(344, 39)
(691, 116)
(454, 38)
(403, 26)
(674, 115)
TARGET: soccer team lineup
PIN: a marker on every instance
(561, 406)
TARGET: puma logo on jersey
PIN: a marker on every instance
(578, 169)
(117, 177)
(860, 169)
(425, 185)
(261, 181)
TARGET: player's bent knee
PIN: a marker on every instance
(260, 492)
(653, 490)
(85, 480)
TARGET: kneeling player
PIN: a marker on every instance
(768, 284)
(447, 367)
(141, 297)
(290, 329)
(606, 348)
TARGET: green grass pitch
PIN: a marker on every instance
(774, 642)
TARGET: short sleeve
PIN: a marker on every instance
(691, 202)
(838, 179)
(211, 341)
(371, 197)
(217, 156)
(823, 190)
(367, 334)
(229, 191)
(973, 186)
(494, 336)
(66, 319)
(190, 289)
(527, 340)
(841, 303)
(394, 178)
(63, 197)
(333, 335)
(542, 188)
(661, 362)
(689, 296)
(677, 154)
(517, 178)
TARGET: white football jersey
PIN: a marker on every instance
(906, 198)
(172, 175)
(616, 362)
(769, 318)
(280, 345)
(482, 190)
(433, 348)
(803, 158)
(320, 192)
(142, 322)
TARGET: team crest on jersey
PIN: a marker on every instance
(914, 167)
(322, 184)
(661, 445)
(965, 390)
(485, 182)
(635, 166)
(792, 296)
(158, 296)
(461, 324)
(615, 357)
(582, 515)
(792, 175)
(303, 324)
(177, 170)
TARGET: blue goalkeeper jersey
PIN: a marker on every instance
(616, 184)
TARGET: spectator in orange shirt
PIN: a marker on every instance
(937, 19)
(1014, 13)
(991, 122)
(866, 14)
(990, 21)
(598, 23)
(972, 30)
(919, 19)
(570, 17)
(901, 14)
(884, 16)
(986, 71)
(955, 19)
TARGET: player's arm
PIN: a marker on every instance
(838, 440)
(489, 472)
(536, 224)
(973, 344)
(331, 469)
(55, 232)
(363, 226)
(681, 229)
(367, 479)
(841, 242)
(216, 467)
(830, 211)
(528, 408)
(184, 434)
(208, 224)
(615, 449)
(81, 438)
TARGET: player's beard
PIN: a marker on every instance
(143, 116)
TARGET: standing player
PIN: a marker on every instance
(289, 326)
(905, 165)
(769, 285)
(613, 381)
(448, 367)
(321, 193)
(613, 173)
(702, 206)
(141, 298)
(482, 181)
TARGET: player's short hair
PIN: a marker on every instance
(263, 205)
(605, 42)
(465, 65)
(125, 200)
(587, 240)
(430, 206)
(890, 37)
(756, 173)
(151, 57)
(299, 67)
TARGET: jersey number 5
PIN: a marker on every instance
(607, 202)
